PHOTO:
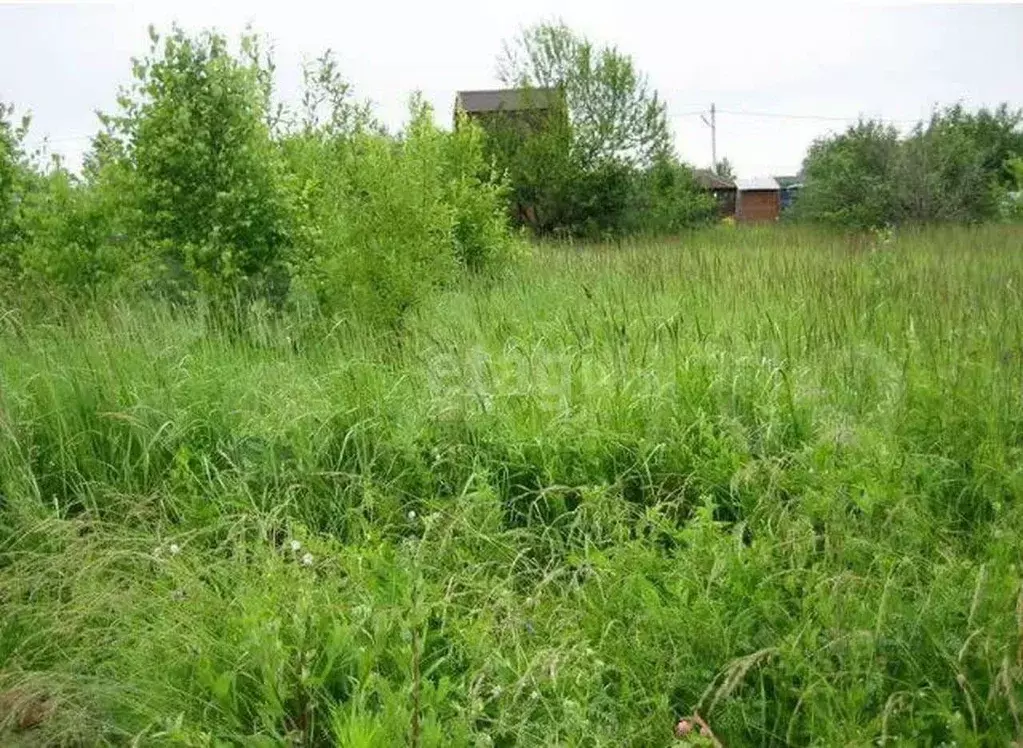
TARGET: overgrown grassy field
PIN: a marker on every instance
(772, 477)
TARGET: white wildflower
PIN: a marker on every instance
(296, 546)
(411, 515)
(174, 549)
(307, 559)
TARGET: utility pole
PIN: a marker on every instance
(713, 125)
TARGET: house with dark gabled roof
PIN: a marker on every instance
(531, 105)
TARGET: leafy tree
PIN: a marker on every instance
(194, 132)
(942, 173)
(725, 169)
(955, 167)
(603, 163)
(667, 200)
(544, 172)
(614, 113)
(849, 178)
(12, 172)
(997, 134)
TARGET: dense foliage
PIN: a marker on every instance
(12, 174)
(206, 176)
(601, 163)
(392, 218)
(200, 190)
(759, 475)
(955, 168)
(762, 475)
(615, 115)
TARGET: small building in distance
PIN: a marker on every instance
(759, 199)
(722, 188)
(531, 106)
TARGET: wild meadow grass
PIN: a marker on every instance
(770, 477)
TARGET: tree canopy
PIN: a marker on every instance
(956, 167)
(615, 114)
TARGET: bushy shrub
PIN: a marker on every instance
(198, 190)
(70, 235)
(477, 195)
(667, 200)
(1011, 204)
(65, 238)
(388, 219)
(12, 178)
(849, 178)
(194, 132)
(954, 168)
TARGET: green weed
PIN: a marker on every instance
(771, 477)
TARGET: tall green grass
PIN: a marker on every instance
(772, 477)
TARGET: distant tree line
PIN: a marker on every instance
(960, 166)
(200, 187)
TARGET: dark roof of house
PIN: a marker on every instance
(711, 181)
(506, 99)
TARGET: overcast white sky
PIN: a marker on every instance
(807, 61)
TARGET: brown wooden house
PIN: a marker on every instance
(759, 199)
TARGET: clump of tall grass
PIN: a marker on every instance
(771, 478)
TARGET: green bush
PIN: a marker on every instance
(194, 132)
(198, 191)
(954, 168)
(667, 200)
(388, 219)
(64, 238)
(13, 173)
(849, 178)
(1011, 204)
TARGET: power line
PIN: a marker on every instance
(785, 115)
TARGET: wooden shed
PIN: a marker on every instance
(759, 199)
(722, 188)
